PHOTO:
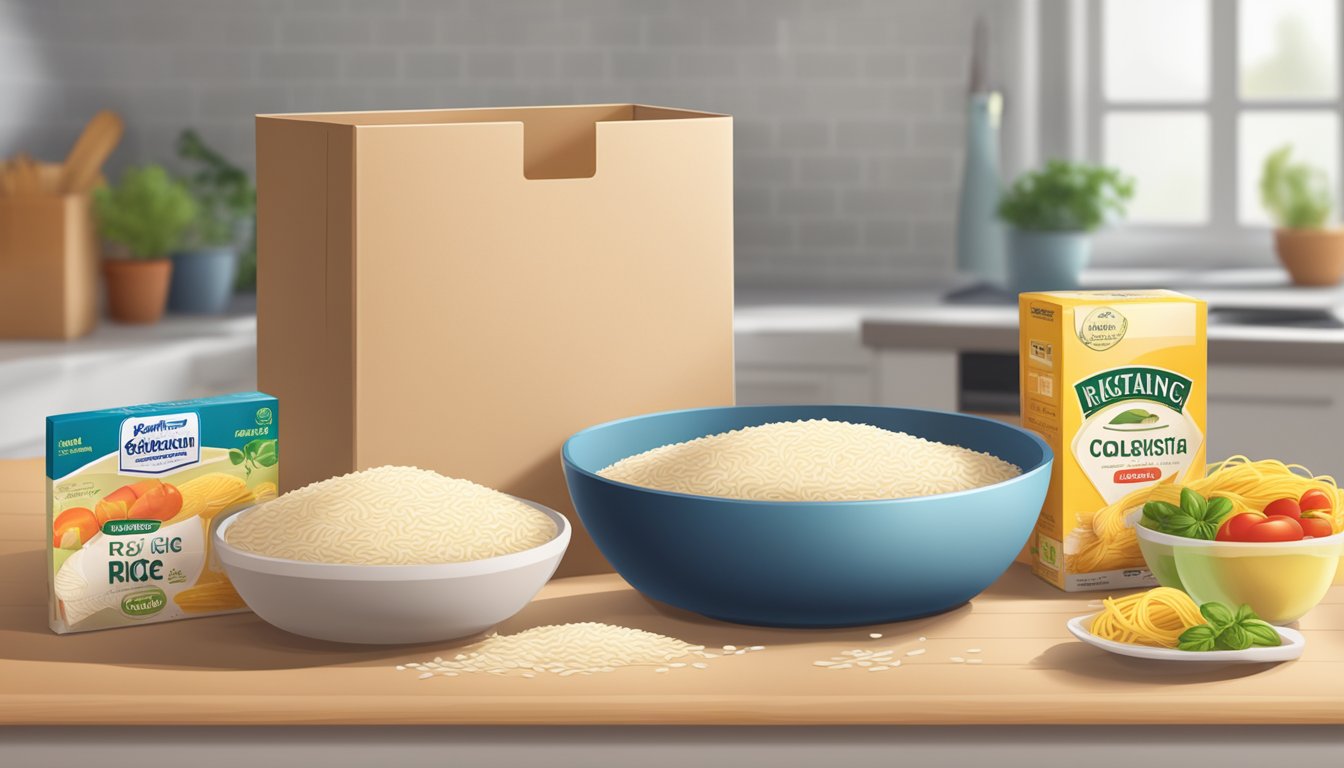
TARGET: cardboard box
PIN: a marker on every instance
(1116, 383)
(48, 267)
(461, 290)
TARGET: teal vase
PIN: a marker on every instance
(1047, 261)
(980, 235)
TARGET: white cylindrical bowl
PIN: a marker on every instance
(391, 604)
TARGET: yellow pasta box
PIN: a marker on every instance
(133, 495)
(1115, 382)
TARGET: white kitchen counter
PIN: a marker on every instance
(1241, 303)
(180, 357)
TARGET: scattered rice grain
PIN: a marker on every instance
(565, 650)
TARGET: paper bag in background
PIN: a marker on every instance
(48, 266)
(461, 290)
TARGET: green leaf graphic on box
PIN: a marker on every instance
(257, 453)
(236, 457)
(1135, 416)
(267, 454)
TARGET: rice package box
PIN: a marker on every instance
(133, 495)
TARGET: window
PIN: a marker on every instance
(1188, 97)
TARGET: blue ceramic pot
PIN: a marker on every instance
(203, 280)
(807, 564)
(1046, 261)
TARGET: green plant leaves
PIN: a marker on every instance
(223, 192)
(1219, 508)
(1228, 630)
(1217, 614)
(1200, 637)
(1066, 197)
(147, 212)
(1261, 633)
(1297, 195)
(236, 457)
(1195, 518)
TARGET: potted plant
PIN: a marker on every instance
(1298, 198)
(142, 218)
(1051, 213)
(205, 268)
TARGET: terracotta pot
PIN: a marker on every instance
(1311, 256)
(137, 289)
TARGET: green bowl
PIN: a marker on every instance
(1281, 581)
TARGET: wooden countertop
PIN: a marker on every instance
(237, 670)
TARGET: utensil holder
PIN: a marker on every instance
(48, 267)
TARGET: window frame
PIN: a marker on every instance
(1223, 241)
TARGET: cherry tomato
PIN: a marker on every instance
(1234, 529)
(1275, 528)
(1285, 507)
(1316, 501)
(1316, 527)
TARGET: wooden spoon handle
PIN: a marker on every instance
(90, 151)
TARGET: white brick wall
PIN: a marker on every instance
(848, 112)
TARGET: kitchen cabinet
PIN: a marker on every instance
(1295, 414)
(804, 367)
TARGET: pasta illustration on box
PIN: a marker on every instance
(132, 496)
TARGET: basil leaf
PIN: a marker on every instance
(1206, 530)
(1244, 613)
(236, 457)
(1192, 503)
(1219, 508)
(1159, 511)
(1261, 633)
(1180, 522)
(1197, 638)
(250, 450)
(268, 459)
(1217, 614)
(1234, 637)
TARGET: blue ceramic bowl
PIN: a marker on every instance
(807, 564)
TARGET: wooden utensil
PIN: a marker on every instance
(90, 151)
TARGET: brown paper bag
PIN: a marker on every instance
(48, 267)
(461, 290)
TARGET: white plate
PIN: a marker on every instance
(1293, 645)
